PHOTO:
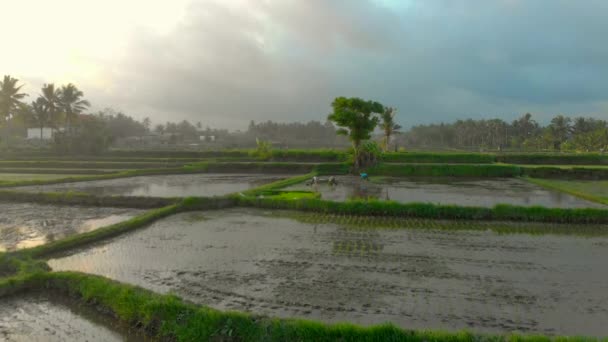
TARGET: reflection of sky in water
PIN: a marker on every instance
(39, 232)
(445, 190)
(167, 186)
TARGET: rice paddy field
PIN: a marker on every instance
(24, 225)
(249, 260)
(486, 192)
(212, 258)
(164, 186)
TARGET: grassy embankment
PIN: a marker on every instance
(167, 317)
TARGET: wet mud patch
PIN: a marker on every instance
(24, 225)
(447, 190)
(248, 260)
(206, 184)
(40, 317)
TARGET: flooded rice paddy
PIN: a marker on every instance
(164, 186)
(446, 190)
(44, 318)
(255, 261)
(24, 225)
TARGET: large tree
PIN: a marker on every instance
(72, 104)
(50, 99)
(560, 130)
(357, 119)
(388, 125)
(41, 114)
(10, 97)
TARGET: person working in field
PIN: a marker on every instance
(364, 176)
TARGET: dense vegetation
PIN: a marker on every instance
(561, 134)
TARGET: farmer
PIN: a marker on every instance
(314, 181)
(332, 181)
(364, 176)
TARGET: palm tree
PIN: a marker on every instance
(388, 125)
(72, 104)
(41, 113)
(50, 98)
(10, 97)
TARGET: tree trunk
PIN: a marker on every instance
(357, 155)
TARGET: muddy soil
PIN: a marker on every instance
(45, 318)
(248, 260)
(446, 190)
(24, 225)
(164, 186)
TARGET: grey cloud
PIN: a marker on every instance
(436, 60)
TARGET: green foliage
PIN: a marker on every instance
(356, 119)
(389, 126)
(263, 150)
(10, 97)
(91, 137)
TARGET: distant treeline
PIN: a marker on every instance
(562, 134)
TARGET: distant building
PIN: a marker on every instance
(209, 138)
(35, 133)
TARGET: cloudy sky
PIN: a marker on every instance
(225, 62)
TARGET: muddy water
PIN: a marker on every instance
(446, 190)
(165, 186)
(36, 317)
(24, 225)
(427, 279)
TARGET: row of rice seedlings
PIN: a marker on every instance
(354, 222)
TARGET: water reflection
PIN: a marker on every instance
(446, 190)
(167, 186)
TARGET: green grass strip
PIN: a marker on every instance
(559, 186)
(280, 184)
(167, 317)
(500, 212)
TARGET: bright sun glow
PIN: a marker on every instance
(68, 40)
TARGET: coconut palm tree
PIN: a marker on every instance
(72, 104)
(50, 98)
(41, 113)
(10, 97)
(388, 125)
